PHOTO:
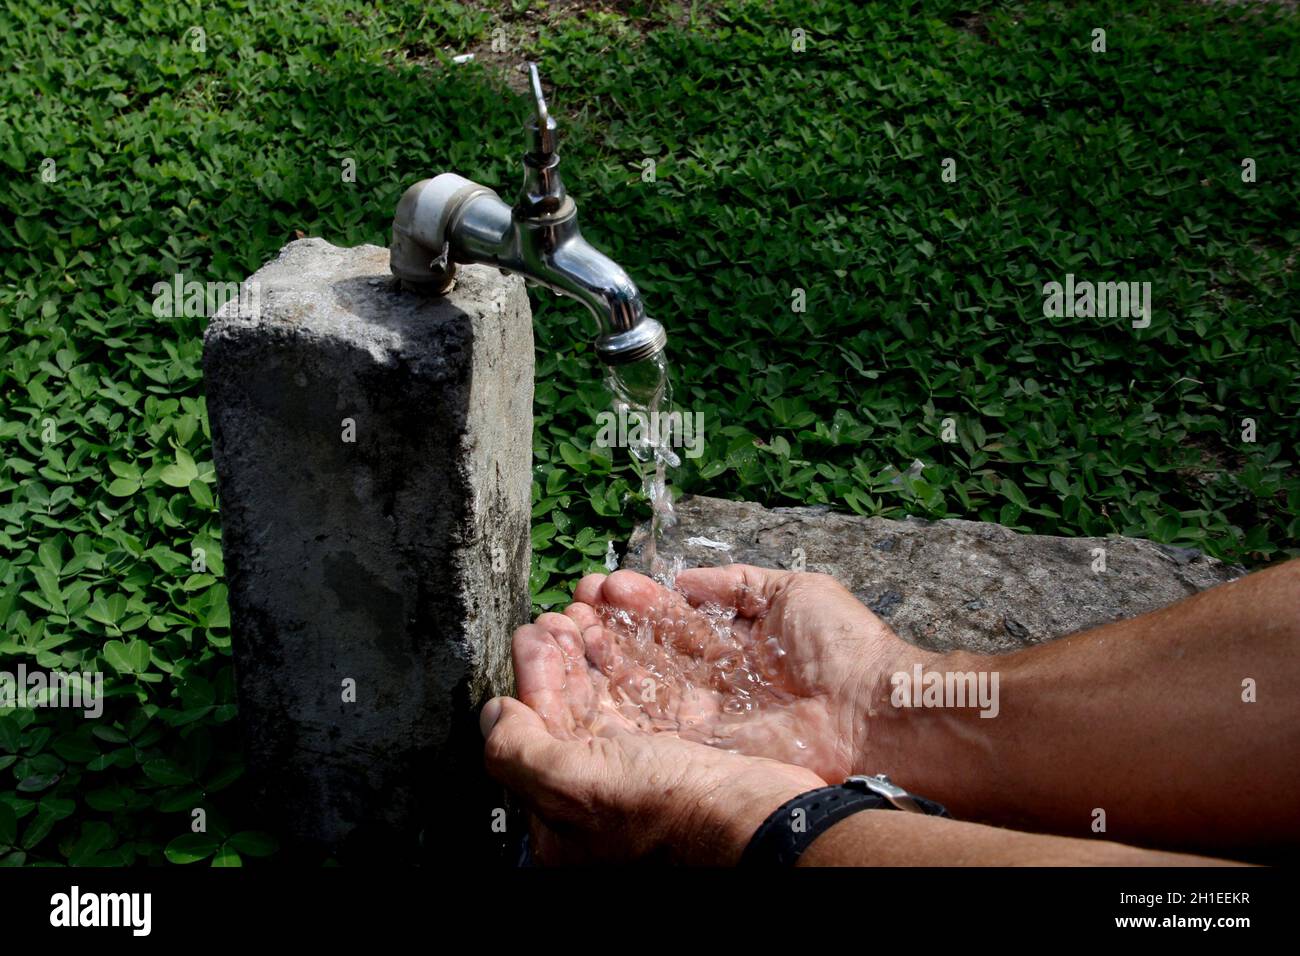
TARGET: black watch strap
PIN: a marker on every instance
(793, 826)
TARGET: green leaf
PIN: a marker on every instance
(50, 557)
(8, 826)
(110, 734)
(75, 748)
(9, 734)
(127, 470)
(1012, 491)
(182, 473)
(117, 657)
(184, 798)
(107, 612)
(48, 582)
(201, 494)
(191, 847)
(58, 807)
(37, 782)
(37, 830)
(95, 836)
(137, 653)
(123, 487)
(579, 461)
(227, 856)
(166, 773)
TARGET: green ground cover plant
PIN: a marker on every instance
(775, 170)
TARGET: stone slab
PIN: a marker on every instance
(945, 584)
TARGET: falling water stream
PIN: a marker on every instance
(702, 679)
(643, 392)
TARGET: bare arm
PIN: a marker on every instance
(1144, 720)
(725, 820)
(891, 838)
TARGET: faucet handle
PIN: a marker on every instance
(543, 195)
(542, 138)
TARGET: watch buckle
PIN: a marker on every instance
(882, 786)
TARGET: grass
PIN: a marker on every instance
(775, 171)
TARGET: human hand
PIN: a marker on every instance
(621, 692)
(607, 789)
(779, 664)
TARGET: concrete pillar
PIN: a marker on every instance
(373, 455)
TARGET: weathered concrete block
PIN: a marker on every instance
(946, 584)
(373, 454)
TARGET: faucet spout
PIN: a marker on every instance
(598, 282)
(555, 255)
(447, 220)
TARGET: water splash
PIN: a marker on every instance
(657, 670)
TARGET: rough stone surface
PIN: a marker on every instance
(946, 584)
(398, 560)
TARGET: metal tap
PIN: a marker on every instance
(448, 220)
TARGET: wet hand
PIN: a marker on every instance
(778, 664)
(672, 722)
(611, 790)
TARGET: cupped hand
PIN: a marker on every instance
(778, 664)
(602, 787)
(666, 722)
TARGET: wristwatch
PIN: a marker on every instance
(792, 827)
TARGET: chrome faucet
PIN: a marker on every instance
(448, 220)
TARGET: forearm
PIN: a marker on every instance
(892, 838)
(1142, 720)
(724, 825)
